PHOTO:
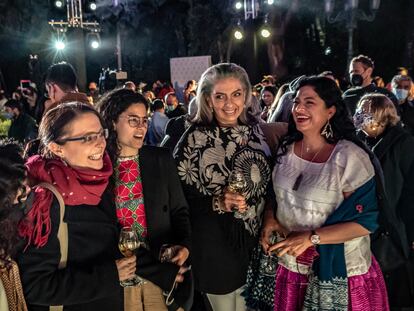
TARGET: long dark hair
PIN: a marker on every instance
(341, 122)
(110, 106)
(12, 176)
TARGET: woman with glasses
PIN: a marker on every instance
(13, 193)
(148, 197)
(73, 160)
(327, 206)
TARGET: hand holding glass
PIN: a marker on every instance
(128, 243)
(237, 184)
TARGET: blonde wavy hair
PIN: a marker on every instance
(382, 108)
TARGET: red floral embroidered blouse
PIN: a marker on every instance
(129, 199)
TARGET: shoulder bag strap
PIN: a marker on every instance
(62, 233)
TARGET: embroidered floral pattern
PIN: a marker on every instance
(211, 153)
(129, 197)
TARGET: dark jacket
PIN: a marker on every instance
(167, 218)
(178, 111)
(23, 128)
(353, 95)
(394, 150)
(90, 281)
(406, 111)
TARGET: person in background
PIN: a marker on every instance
(282, 90)
(174, 107)
(13, 194)
(267, 97)
(61, 85)
(378, 123)
(129, 85)
(73, 159)
(156, 128)
(149, 198)
(360, 75)
(189, 92)
(223, 138)
(325, 191)
(378, 81)
(93, 92)
(23, 127)
(402, 88)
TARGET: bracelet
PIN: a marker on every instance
(216, 205)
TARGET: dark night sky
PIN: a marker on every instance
(150, 41)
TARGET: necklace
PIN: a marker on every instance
(299, 179)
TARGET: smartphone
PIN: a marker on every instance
(24, 84)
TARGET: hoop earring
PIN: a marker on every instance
(327, 131)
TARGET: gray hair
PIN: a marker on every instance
(205, 88)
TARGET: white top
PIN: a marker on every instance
(319, 194)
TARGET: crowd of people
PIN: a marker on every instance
(293, 196)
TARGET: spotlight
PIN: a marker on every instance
(59, 4)
(92, 6)
(60, 45)
(238, 5)
(328, 51)
(94, 40)
(238, 35)
(95, 44)
(265, 33)
(270, 2)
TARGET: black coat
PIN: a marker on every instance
(90, 281)
(395, 153)
(353, 95)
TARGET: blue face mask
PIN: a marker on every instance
(401, 94)
(8, 115)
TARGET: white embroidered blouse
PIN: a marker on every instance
(319, 194)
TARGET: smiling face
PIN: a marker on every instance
(131, 139)
(81, 153)
(227, 101)
(309, 111)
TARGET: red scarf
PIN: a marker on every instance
(77, 186)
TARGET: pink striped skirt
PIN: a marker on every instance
(366, 292)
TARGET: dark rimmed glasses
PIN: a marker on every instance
(86, 139)
(135, 121)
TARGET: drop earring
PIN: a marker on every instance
(327, 131)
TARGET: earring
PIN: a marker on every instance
(212, 110)
(63, 161)
(327, 131)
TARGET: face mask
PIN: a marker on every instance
(8, 115)
(169, 108)
(356, 79)
(362, 119)
(401, 94)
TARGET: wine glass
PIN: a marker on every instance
(237, 184)
(268, 262)
(128, 243)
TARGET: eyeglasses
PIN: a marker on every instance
(87, 139)
(135, 121)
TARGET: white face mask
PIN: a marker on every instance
(401, 94)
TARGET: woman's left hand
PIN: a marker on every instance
(181, 255)
(295, 244)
